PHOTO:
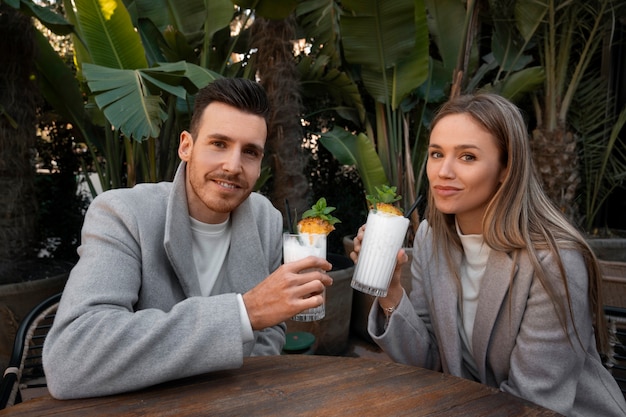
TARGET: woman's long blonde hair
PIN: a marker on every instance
(520, 215)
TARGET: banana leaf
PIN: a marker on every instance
(389, 40)
(356, 150)
(107, 33)
(131, 99)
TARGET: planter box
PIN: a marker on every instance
(609, 249)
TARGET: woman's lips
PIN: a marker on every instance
(445, 191)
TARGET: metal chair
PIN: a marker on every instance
(616, 362)
(25, 370)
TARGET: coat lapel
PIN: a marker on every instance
(493, 290)
(178, 239)
(445, 306)
(246, 264)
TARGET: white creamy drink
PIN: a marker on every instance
(383, 238)
(299, 246)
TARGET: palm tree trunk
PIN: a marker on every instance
(278, 75)
(18, 109)
(556, 161)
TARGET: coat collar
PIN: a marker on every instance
(445, 305)
(494, 288)
(244, 265)
(499, 275)
(177, 240)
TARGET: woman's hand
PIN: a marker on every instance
(395, 291)
(358, 239)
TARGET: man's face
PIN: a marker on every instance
(223, 161)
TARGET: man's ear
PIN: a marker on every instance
(185, 146)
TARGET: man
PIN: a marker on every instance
(182, 278)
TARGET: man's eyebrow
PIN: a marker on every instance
(219, 136)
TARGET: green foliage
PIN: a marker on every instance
(356, 150)
(321, 210)
(127, 111)
(131, 99)
(384, 194)
(385, 49)
(382, 63)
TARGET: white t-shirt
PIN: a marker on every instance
(210, 244)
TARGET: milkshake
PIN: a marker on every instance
(299, 246)
(383, 238)
(315, 225)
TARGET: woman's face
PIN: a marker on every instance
(464, 169)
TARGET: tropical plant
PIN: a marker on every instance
(516, 48)
(139, 63)
(143, 106)
(370, 57)
(478, 51)
(385, 45)
(569, 37)
(391, 75)
(128, 101)
(601, 151)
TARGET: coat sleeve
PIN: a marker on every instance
(408, 336)
(105, 340)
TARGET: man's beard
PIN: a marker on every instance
(214, 201)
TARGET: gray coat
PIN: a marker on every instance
(132, 314)
(518, 343)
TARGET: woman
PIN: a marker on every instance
(504, 290)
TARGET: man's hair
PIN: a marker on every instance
(243, 94)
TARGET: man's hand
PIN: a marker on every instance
(287, 291)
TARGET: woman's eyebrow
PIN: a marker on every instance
(457, 147)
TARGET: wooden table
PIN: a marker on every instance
(300, 385)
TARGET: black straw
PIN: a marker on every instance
(413, 207)
(288, 211)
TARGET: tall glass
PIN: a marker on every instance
(383, 238)
(299, 246)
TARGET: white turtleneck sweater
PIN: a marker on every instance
(473, 265)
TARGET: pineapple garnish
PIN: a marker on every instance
(318, 220)
(384, 200)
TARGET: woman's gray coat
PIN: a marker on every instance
(518, 342)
